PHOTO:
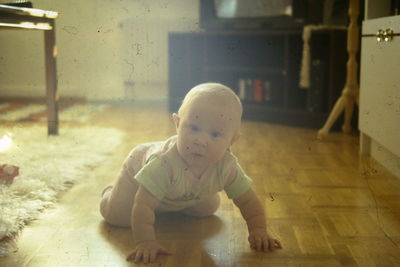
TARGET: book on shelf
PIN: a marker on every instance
(242, 89)
(255, 90)
(267, 91)
(258, 90)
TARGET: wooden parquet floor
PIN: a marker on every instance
(328, 206)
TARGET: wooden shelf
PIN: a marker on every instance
(240, 69)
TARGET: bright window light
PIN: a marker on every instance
(5, 142)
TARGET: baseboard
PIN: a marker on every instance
(162, 103)
(159, 103)
(40, 100)
(386, 158)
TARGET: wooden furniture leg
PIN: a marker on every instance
(51, 80)
(36, 19)
(349, 94)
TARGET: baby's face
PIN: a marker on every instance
(205, 132)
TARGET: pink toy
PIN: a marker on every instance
(8, 173)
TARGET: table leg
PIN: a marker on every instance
(51, 80)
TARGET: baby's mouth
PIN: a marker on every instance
(197, 155)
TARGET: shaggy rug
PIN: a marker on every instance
(76, 112)
(48, 166)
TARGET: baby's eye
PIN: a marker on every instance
(194, 128)
(215, 134)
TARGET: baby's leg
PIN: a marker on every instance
(205, 208)
(116, 204)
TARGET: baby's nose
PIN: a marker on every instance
(201, 140)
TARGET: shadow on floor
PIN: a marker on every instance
(183, 235)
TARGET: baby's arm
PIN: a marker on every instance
(253, 212)
(142, 223)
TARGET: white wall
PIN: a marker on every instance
(104, 47)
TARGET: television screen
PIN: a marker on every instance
(253, 14)
(228, 9)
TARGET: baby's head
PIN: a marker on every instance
(208, 122)
(217, 97)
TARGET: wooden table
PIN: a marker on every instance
(37, 19)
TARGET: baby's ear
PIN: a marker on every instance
(176, 119)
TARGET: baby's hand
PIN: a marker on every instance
(261, 241)
(147, 252)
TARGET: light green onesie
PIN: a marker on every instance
(166, 176)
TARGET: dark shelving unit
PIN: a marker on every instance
(271, 58)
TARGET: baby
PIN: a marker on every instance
(185, 173)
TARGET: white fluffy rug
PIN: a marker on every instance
(48, 165)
